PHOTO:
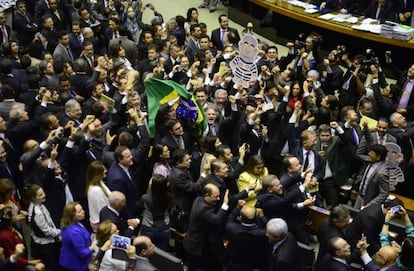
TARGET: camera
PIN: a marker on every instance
(300, 41)
(371, 59)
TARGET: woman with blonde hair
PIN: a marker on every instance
(96, 190)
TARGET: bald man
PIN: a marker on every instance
(385, 258)
(204, 241)
(117, 202)
(144, 249)
(244, 235)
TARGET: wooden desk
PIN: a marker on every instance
(297, 13)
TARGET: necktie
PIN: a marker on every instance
(180, 143)
(306, 161)
(213, 129)
(69, 54)
(364, 182)
(381, 140)
(355, 136)
(223, 33)
(405, 97)
(377, 16)
(5, 35)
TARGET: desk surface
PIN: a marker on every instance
(297, 13)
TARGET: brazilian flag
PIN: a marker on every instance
(160, 92)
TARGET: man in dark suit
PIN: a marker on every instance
(284, 247)
(244, 235)
(182, 184)
(349, 137)
(339, 251)
(23, 24)
(176, 137)
(373, 181)
(76, 40)
(203, 241)
(369, 222)
(4, 29)
(381, 136)
(112, 212)
(381, 10)
(58, 15)
(404, 9)
(403, 131)
(120, 178)
(290, 205)
(234, 164)
(291, 179)
(217, 35)
(333, 226)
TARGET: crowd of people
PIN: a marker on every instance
(81, 161)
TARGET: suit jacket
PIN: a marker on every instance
(61, 53)
(25, 28)
(325, 233)
(143, 264)
(233, 199)
(118, 180)
(203, 232)
(121, 224)
(183, 188)
(318, 162)
(243, 237)
(216, 37)
(330, 264)
(387, 13)
(6, 106)
(369, 139)
(75, 253)
(8, 33)
(377, 189)
(75, 45)
(368, 221)
(371, 266)
(403, 137)
(173, 145)
(285, 256)
(61, 22)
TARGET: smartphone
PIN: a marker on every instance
(120, 242)
(324, 147)
(396, 209)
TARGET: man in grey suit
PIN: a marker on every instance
(144, 249)
(373, 180)
(381, 136)
(62, 51)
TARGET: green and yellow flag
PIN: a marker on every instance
(160, 92)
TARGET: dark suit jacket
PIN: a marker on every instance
(387, 13)
(216, 37)
(242, 238)
(183, 188)
(173, 145)
(203, 232)
(325, 233)
(121, 224)
(24, 27)
(368, 221)
(403, 140)
(318, 162)
(60, 24)
(330, 264)
(285, 256)
(118, 180)
(233, 199)
(75, 45)
(8, 33)
(368, 139)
